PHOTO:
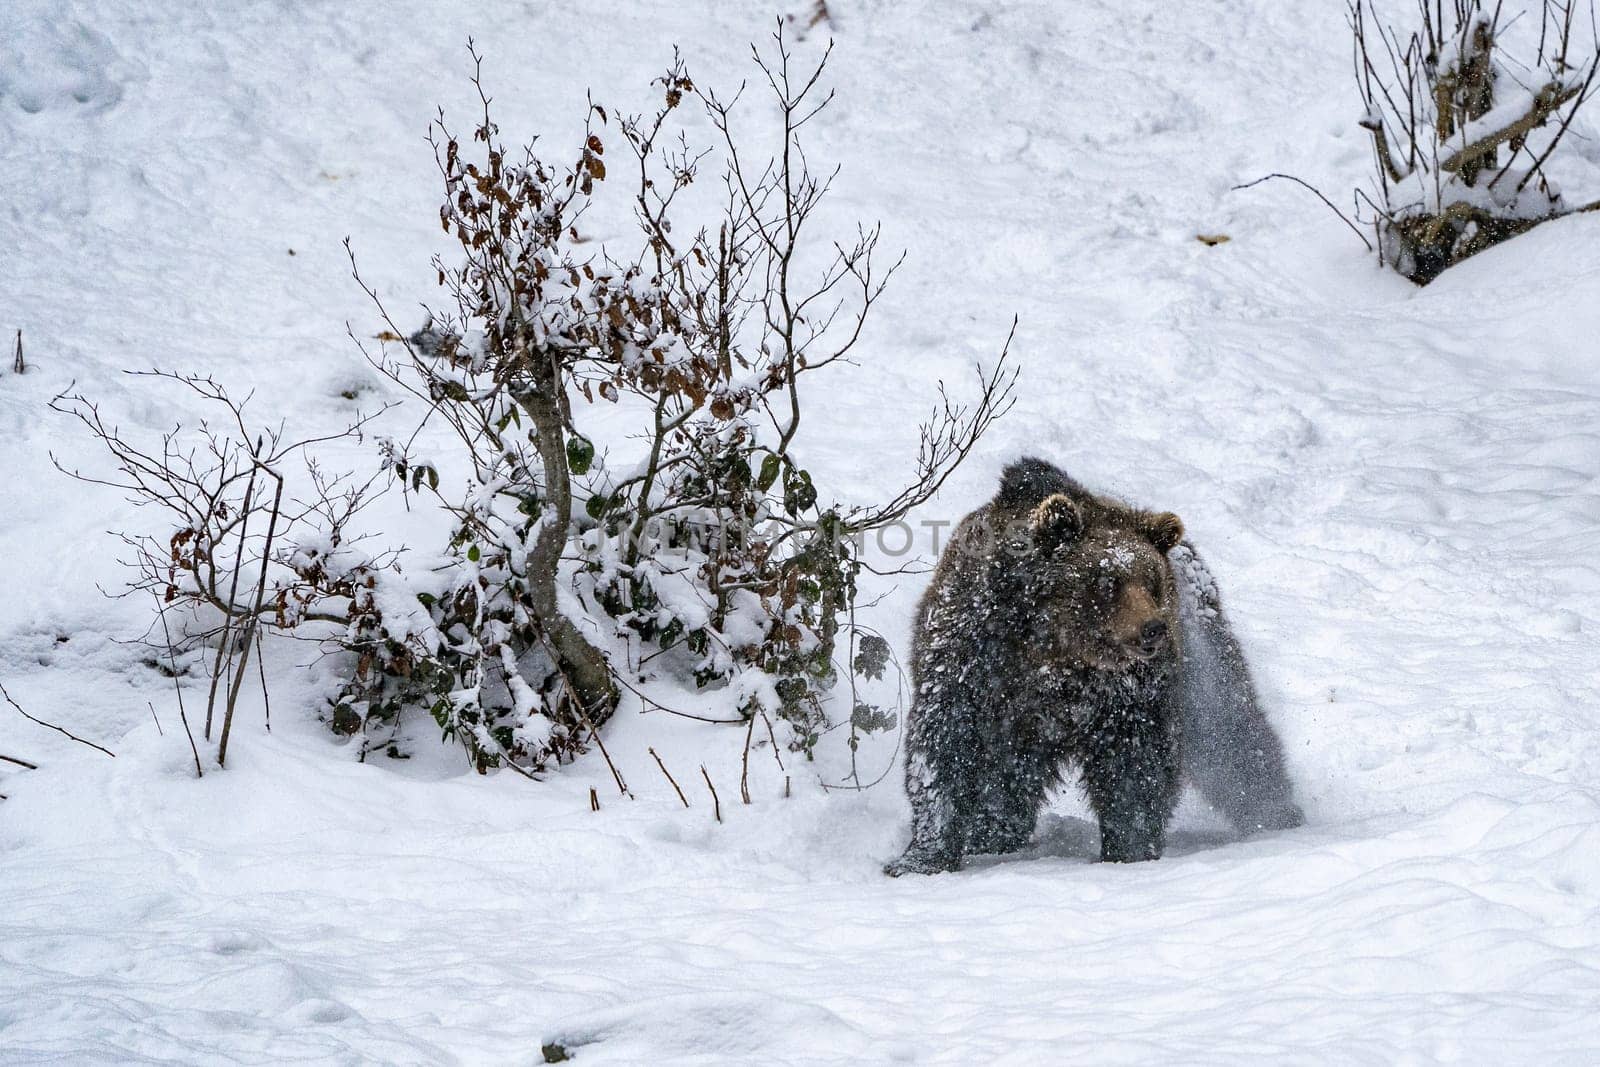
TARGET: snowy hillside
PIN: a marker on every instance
(1397, 487)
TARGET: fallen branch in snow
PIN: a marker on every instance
(52, 726)
(668, 773)
(20, 762)
(1544, 104)
(1456, 232)
(17, 364)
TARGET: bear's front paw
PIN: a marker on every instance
(1128, 848)
(915, 862)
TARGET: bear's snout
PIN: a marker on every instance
(1138, 628)
(1153, 637)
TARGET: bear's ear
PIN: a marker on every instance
(1055, 522)
(1164, 530)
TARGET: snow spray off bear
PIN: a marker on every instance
(1064, 629)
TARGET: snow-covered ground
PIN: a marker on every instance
(1397, 488)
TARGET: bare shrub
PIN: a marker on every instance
(1462, 134)
(238, 555)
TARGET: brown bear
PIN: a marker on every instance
(1066, 629)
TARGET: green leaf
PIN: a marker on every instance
(580, 453)
(870, 719)
(345, 719)
(597, 505)
(671, 633)
(872, 656)
(473, 554)
(769, 472)
(798, 492)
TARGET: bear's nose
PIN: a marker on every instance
(1153, 634)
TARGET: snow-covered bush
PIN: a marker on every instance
(713, 557)
(1461, 136)
(257, 537)
(571, 579)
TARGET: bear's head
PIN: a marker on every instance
(1106, 597)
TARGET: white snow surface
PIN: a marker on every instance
(1397, 489)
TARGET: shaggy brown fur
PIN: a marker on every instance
(1053, 636)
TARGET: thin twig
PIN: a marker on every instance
(254, 618)
(224, 648)
(668, 773)
(1331, 206)
(744, 773)
(716, 805)
(20, 762)
(773, 737)
(198, 773)
(594, 799)
(900, 703)
(261, 669)
(583, 717)
(159, 731)
(161, 610)
(594, 732)
(652, 704)
(52, 726)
